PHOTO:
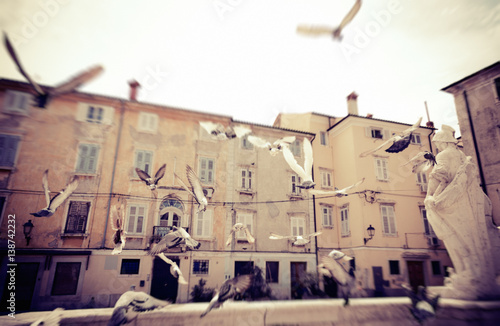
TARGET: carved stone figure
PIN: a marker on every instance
(457, 210)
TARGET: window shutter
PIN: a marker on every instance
(368, 132)
(131, 219)
(83, 153)
(207, 223)
(148, 162)
(93, 159)
(139, 159)
(386, 134)
(8, 149)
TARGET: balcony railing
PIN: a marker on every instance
(160, 231)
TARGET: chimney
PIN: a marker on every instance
(352, 104)
(133, 89)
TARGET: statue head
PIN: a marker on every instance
(445, 135)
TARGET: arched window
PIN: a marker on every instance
(171, 212)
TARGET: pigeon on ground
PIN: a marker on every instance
(304, 173)
(331, 267)
(197, 188)
(130, 304)
(422, 307)
(228, 290)
(173, 239)
(52, 319)
(43, 96)
(117, 225)
(273, 148)
(336, 192)
(297, 240)
(174, 269)
(422, 162)
(57, 200)
(151, 182)
(240, 227)
(220, 132)
(400, 142)
(314, 30)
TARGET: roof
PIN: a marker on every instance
(470, 76)
(371, 119)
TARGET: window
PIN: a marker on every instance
(429, 232)
(344, 221)
(436, 267)
(95, 114)
(136, 216)
(376, 133)
(78, 213)
(200, 266)
(272, 271)
(143, 161)
(326, 212)
(8, 149)
(16, 102)
(415, 139)
(323, 138)
(130, 266)
(171, 212)
(87, 158)
(326, 179)
(203, 224)
(245, 219)
(295, 181)
(245, 144)
(148, 122)
(388, 220)
(298, 225)
(422, 181)
(246, 179)
(381, 169)
(497, 86)
(66, 278)
(207, 170)
(394, 267)
(295, 147)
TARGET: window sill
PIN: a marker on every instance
(295, 196)
(328, 226)
(83, 174)
(246, 192)
(6, 168)
(346, 235)
(74, 235)
(148, 131)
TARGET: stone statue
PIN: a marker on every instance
(457, 210)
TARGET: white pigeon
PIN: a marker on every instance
(152, 183)
(240, 227)
(220, 132)
(130, 304)
(304, 173)
(297, 240)
(273, 148)
(117, 225)
(346, 280)
(228, 290)
(173, 239)
(197, 188)
(43, 96)
(400, 141)
(57, 200)
(336, 192)
(52, 319)
(174, 269)
(421, 162)
(315, 30)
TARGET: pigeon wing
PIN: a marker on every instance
(314, 234)
(160, 173)
(292, 162)
(275, 236)
(249, 235)
(78, 80)
(350, 15)
(285, 140)
(241, 131)
(184, 186)
(210, 127)
(336, 269)
(170, 240)
(195, 183)
(412, 128)
(45, 185)
(64, 194)
(165, 259)
(314, 30)
(351, 186)
(143, 175)
(257, 141)
(52, 319)
(388, 141)
(115, 220)
(400, 145)
(308, 158)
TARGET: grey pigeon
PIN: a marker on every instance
(218, 131)
(422, 308)
(152, 183)
(422, 162)
(196, 188)
(130, 304)
(275, 147)
(117, 224)
(57, 200)
(173, 239)
(174, 269)
(240, 227)
(331, 267)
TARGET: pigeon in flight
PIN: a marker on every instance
(197, 189)
(422, 162)
(151, 182)
(332, 267)
(220, 132)
(130, 304)
(336, 192)
(422, 307)
(174, 269)
(117, 225)
(43, 96)
(57, 200)
(52, 319)
(173, 239)
(228, 290)
(315, 30)
(273, 148)
(304, 173)
(400, 142)
(240, 227)
(298, 240)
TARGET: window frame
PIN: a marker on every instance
(436, 270)
(11, 103)
(345, 229)
(11, 147)
(296, 223)
(52, 274)
(381, 170)
(87, 158)
(209, 172)
(391, 217)
(246, 218)
(416, 139)
(246, 144)
(136, 216)
(294, 190)
(148, 122)
(422, 181)
(99, 118)
(269, 271)
(130, 260)
(67, 213)
(201, 270)
(328, 217)
(428, 230)
(206, 221)
(247, 178)
(295, 148)
(394, 267)
(142, 165)
(323, 136)
(326, 179)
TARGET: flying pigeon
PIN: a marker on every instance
(422, 162)
(151, 182)
(52, 319)
(174, 269)
(197, 189)
(273, 148)
(43, 96)
(228, 290)
(336, 192)
(422, 307)
(331, 267)
(222, 133)
(173, 239)
(57, 200)
(400, 142)
(304, 173)
(130, 304)
(117, 225)
(312, 30)
(239, 227)
(298, 240)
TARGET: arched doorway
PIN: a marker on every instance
(171, 213)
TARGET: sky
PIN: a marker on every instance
(244, 58)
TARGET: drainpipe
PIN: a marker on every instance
(113, 173)
(481, 175)
(314, 214)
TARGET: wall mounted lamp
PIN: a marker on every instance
(371, 233)
(27, 228)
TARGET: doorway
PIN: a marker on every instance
(164, 285)
(378, 281)
(243, 267)
(416, 274)
(26, 276)
(297, 275)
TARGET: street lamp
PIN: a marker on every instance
(371, 233)
(27, 228)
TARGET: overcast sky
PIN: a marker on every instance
(243, 58)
